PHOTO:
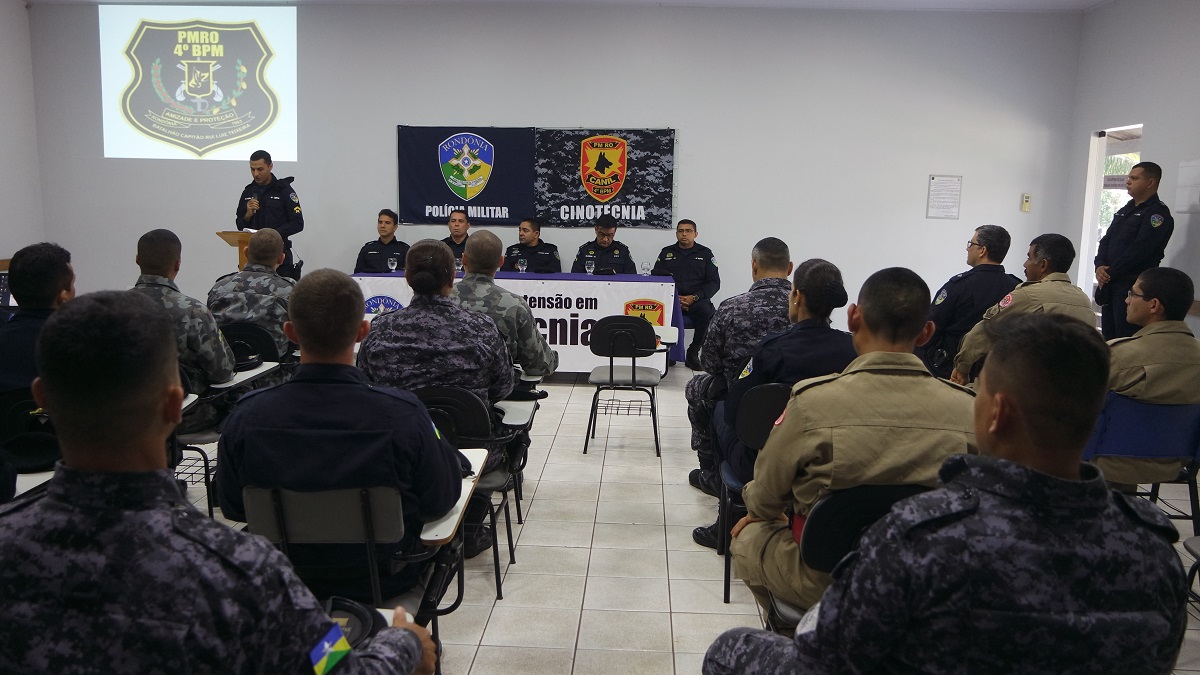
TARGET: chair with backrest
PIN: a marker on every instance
(466, 422)
(1131, 428)
(623, 337)
(834, 526)
(760, 407)
(250, 342)
(517, 417)
(27, 437)
(368, 516)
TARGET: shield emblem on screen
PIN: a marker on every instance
(466, 160)
(602, 166)
(199, 85)
(650, 310)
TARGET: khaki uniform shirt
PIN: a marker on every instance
(1054, 294)
(884, 420)
(1159, 364)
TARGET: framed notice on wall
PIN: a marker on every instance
(944, 197)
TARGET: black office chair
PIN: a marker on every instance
(832, 529)
(760, 407)
(368, 516)
(623, 337)
(465, 421)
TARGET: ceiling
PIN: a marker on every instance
(904, 5)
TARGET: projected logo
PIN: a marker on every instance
(467, 161)
(602, 166)
(199, 85)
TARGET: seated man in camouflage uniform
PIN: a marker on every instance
(112, 569)
(884, 420)
(1159, 364)
(257, 294)
(478, 292)
(733, 333)
(1022, 562)
(204, 356)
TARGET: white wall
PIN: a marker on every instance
(1138, 64)
(20, 190)
(819, 127)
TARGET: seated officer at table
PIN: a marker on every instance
(374, 255)
(1159, 364)
(113, 570)
(458, 225)
(41, 279)
(697, 280)
(540, 257)
(329, 427)
(1022, 562)
(884, 420)
(257, 294)
(608, 255)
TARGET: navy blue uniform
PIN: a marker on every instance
(1134, 242)
(616, 258)
(695, 272)
(541, 259)
(456, 249)
(809, 348)
(18, 339)
(957, 307)
(327, 428)
(279, 210)
(373, 257)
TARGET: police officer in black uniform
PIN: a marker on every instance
(1134, 243)
(540, 257)
(270, 202)
(374, 255)
(697, 280)
(457, 241)
(960, 303)
(610, 256)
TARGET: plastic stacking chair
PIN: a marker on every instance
(1131, 428)
(27, 437)
(759, 409)
(623, 337)
(833, 527)
(465, 421)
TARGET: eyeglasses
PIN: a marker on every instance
(971, 243)
(1131, 294)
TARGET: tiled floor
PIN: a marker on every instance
(607, 578)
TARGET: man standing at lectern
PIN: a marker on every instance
(271, 203)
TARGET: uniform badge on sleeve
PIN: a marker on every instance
(1008, 300)
(1156, 220)
(329, 651)
(747, 370)
(294, 197)
(941, 297)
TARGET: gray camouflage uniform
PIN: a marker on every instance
(479, 293)
(1002, 570)
(435, 343)
(203, 352)
(117, 573)
(734, 332)
(255, 295)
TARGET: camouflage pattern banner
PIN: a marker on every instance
(585, 173)
(488, 171)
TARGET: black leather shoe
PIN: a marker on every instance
(477, 540)
(705, 481)
(706, 536)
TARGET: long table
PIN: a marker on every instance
(564, 305)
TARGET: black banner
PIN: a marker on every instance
(486, 170)
(584, 173)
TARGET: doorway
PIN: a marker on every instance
(1113, 153)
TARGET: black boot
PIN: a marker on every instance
(693, 357)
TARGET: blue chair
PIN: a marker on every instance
(759, 409)
(1131, 428)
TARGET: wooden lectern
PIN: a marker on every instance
(239, 240)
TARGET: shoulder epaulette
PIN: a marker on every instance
(1147, 514)
(936, 505)
(811, 382)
